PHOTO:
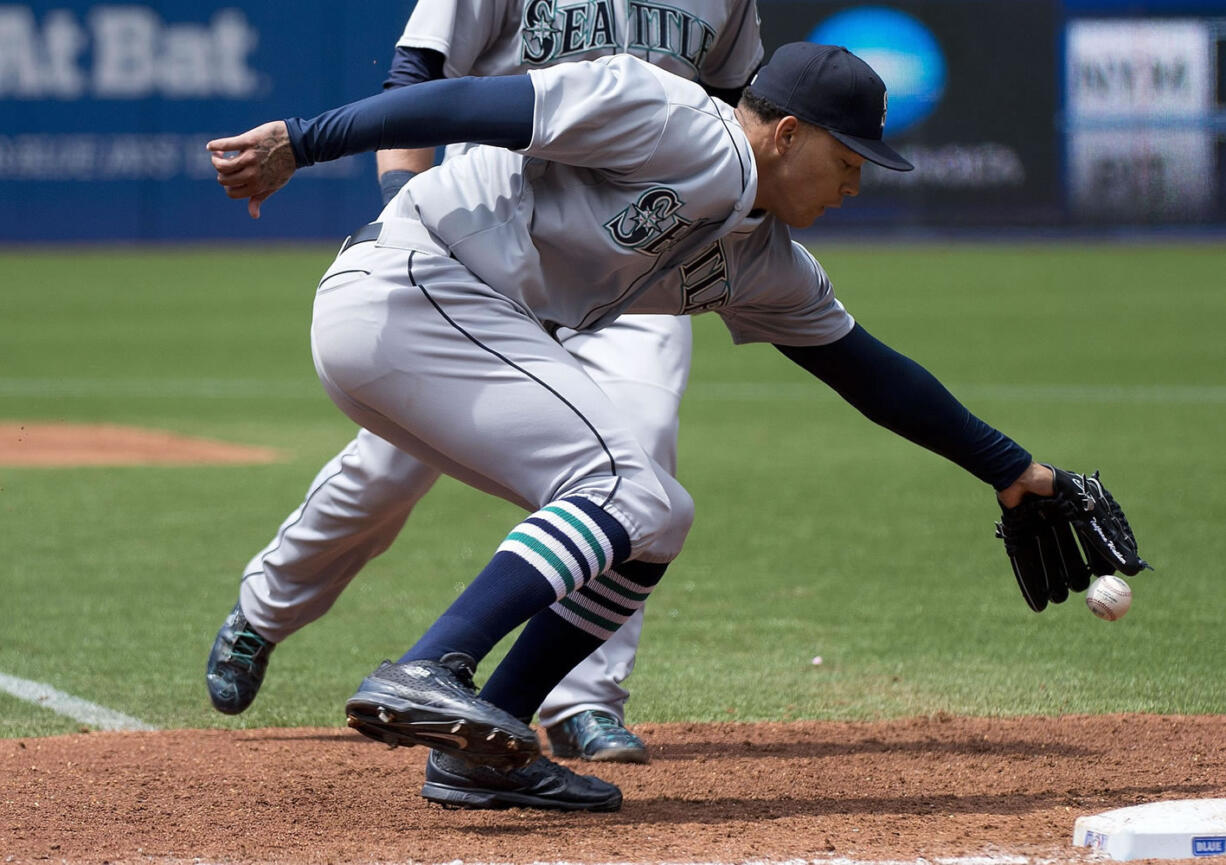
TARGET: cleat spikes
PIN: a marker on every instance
(432, 703)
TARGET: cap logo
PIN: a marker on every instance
(829, 87)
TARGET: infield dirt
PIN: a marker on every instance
(63, 445)
(922, 787)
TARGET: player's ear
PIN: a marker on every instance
(786, 131)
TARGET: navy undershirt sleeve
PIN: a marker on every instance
(896, 392)
(413, 66)
(495, 110)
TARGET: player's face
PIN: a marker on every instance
(815, 172)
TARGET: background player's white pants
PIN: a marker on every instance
(360, 500)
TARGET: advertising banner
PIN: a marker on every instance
(105, 110)
(1140, 109)
(1015, 112)
(973, 99)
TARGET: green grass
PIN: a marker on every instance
(817, 533)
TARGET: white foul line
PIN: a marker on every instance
(91, 714)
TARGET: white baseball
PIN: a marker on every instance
(1109, 598)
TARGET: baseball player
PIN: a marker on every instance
(609, 187)
(360, 500)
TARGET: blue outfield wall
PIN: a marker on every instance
(105, 111)
(1032, 113)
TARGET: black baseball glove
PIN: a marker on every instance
(1039, 539)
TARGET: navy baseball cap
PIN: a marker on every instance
(829, 87)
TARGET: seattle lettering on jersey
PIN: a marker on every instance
(553, 31)
(704, 279)
(650, 225)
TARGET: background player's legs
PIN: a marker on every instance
(352, 512)
(642, 362)
(596, 684)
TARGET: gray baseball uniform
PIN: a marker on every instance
(360, 500)
(615, 187)
(437, 335)
(713, 41)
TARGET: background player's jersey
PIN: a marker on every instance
(716, 42)
(616, 205)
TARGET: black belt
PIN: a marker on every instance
(365, 234)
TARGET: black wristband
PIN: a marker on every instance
(391, 182)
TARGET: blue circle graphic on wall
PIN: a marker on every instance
(903, 52)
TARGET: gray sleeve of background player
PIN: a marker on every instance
(737, 52)
(461, 30)
(785, 297)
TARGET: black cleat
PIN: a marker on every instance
(453, 782)
(596, 736)
(434, 703)
(236, 664)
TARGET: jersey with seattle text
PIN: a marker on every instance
(634, 195)
(716, 42)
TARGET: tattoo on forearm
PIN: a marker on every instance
(275, 159)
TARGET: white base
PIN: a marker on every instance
(1179, 829)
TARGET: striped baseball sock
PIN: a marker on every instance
(557, 639)
(543, 559)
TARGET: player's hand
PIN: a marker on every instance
(1038, 480)
(255, 164)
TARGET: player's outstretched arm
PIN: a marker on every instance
(497, 110)
(255, 164)
(1042, 507)
(896, 392)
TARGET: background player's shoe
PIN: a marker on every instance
(597, 736)
(434, 703)
(236, 664)
(456, 783)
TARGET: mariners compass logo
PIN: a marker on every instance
(650, 225)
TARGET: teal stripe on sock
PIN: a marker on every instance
(605, 581)
(548, 555)
(588, 615)
(582, 528)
